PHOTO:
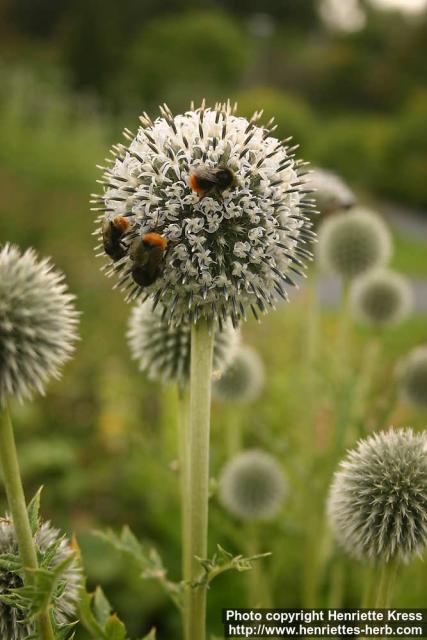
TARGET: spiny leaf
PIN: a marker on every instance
(33, 509)
(115, 629)
(101, 606)
(223, 561)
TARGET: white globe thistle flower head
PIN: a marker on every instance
(207, 213)
(252, 486)
(381, 297)
(243, 380)
(37, 323)
(163, 350)
(411, 373)
(351, 243)
(331, 192)
(377, 505)
(52, 549)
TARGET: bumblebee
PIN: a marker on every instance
(208, 181)
(112, 233)
(147, 254)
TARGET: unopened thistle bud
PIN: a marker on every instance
(331, 192)
(377, 504)
(252, 486)
(381, 297)
(37, 323)
(243, 379)
(207, 213)
(351, 243)
(412, 377)
(163, 350)
(52, 549)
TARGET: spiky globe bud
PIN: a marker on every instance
(331, 192)
(206, 212)
(37, 323)
(377, 504)
(381, 297)
(351, 243)
(243, 379)
(412, 377)
(252, 486)
(163, 350)
(52, 549)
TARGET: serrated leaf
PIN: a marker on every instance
(223, 561)
(10, 562)
(148, 562)
(115, 629)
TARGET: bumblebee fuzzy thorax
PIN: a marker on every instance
(227, 197)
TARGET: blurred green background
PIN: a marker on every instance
(350, 86)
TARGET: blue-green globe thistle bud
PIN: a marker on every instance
(243, 379)
(331, 192)
(412, 377)
(206, 212)
(37, 323)
(377, 504)
(163, 350)
(351, 243)
(52, 549)
(252, 486)
(381, 297)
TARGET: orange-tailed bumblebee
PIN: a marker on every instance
(112, 232)
(211, 181)
(148, 255)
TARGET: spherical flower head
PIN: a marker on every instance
(377, 505)
(331, 192)
(252, 486)
(37, 323)
(381, 297)
(412, 377)
(163, 350)
(351, 243)
(52, 549)
(206, 212)
(243, 379)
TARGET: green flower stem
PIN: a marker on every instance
(258, 588)
(184, 450)
(18, 509)
(200, 405)
(365, 381)
(386, 582)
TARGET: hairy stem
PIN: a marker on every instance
(199, 427)
(18, 509)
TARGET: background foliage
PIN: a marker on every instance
(73, 72)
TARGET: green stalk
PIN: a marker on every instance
(387, 579)
(259, 594)
(200, 406)
(18, 508)
(184, 450)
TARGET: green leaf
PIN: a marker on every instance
(115, 629)
(150, 636)
(148, 562)
(33, 509)
(86, 615)
(101, 606)
(223, 561)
